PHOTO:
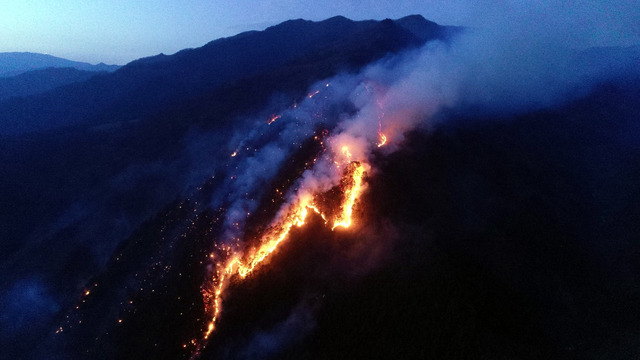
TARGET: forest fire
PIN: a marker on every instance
(240, 264)
(251, 209)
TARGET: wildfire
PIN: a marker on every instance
(240, 266)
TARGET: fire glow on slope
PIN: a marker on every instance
(330, 189)
(295, 213)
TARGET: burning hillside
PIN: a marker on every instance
(414, 206)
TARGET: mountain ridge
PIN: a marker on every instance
(149, 85)
(15, 63)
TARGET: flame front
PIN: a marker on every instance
(272, 239)
(351, 195)
(239, 266)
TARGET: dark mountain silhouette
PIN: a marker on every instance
(14, 63)
(154, 85)
(424, 29)
(39, 81)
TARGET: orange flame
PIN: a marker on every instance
(296, 215)
(215, 296)
(382, 139)
(273, 118)
(351, 194)
(272, 240)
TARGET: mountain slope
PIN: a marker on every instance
(491, 235)
(153, 85)
(14, 63)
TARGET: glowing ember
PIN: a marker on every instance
(233, 154)
(273, 118)
(313, 94)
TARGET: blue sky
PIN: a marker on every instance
(118, 31)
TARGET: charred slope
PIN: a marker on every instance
(153, 85)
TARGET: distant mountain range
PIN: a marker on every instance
(15, 63)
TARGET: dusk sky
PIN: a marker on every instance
(118, 31)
